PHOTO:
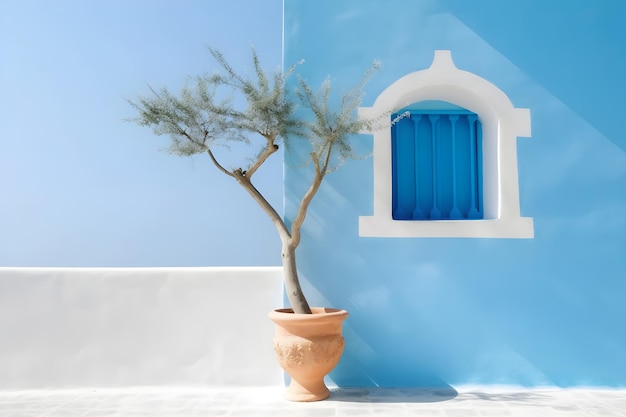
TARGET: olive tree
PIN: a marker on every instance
(260, 110)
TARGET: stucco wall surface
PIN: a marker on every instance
(439, 311)
(116, 327)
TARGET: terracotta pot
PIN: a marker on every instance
(308, 346)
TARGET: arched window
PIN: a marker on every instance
(436, 158)
(447, 165)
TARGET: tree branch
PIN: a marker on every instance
(218, 165)
(270, 148)
(277, 220)
(320, 173)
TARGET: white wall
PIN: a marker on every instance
(76, 327)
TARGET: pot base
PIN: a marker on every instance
(316, 391)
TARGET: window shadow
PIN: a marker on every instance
(392, 395)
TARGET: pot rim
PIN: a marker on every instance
(315, 310)
(318, 312)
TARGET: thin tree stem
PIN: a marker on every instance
(320, 173)
(270, 148)
(218, 165)
(276, 219)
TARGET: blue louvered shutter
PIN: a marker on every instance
(437, 165)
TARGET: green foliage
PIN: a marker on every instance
(330, 130)
(200, 118)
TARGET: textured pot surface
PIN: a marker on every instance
(308, 346)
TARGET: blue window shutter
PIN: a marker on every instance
(437, 165)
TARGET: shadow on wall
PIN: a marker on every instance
(434, 312)
(380, 350)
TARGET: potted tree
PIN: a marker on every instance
(262, 111)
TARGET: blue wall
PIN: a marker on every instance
(435, 312)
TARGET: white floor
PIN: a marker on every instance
(251, 402)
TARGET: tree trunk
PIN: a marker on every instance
(292, 284)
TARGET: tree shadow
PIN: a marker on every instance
(392, 395)
(529, 397)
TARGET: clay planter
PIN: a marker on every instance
(308, 346)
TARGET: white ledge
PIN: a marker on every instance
(370, 226)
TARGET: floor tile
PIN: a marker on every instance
(345, 402)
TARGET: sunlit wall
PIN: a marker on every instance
(446, 311)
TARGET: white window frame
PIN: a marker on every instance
(502, 124)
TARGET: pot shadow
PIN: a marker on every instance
(392, 395)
